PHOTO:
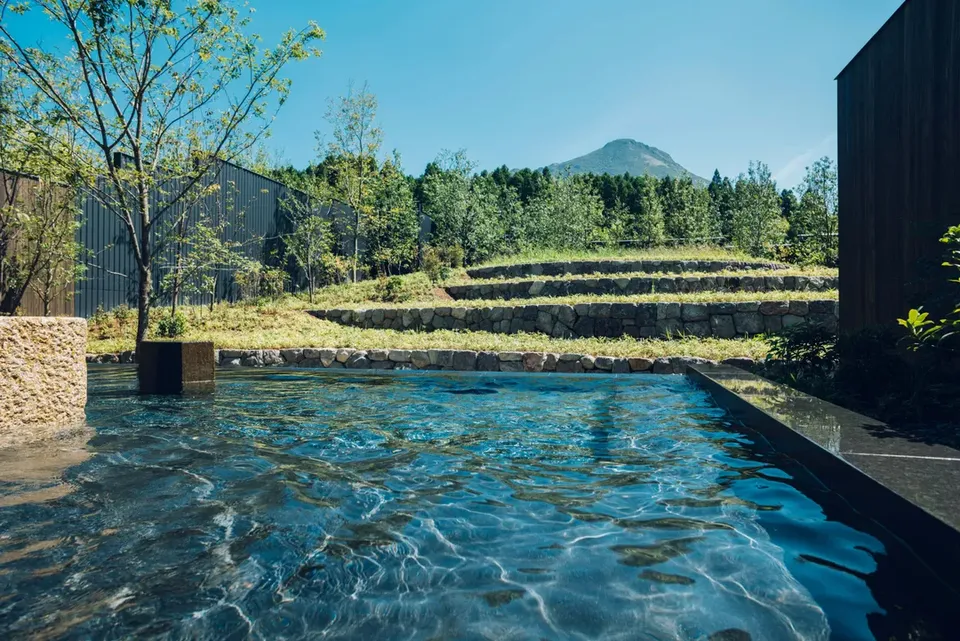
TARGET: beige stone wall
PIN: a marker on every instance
(43, 378)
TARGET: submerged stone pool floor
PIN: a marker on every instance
(298, 504)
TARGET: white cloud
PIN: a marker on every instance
(792, 172)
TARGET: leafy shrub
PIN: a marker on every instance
(391, 290)
(100, 318)
(807, 346)
(922, 331)
(432, 264)
(333, 270)
(272, 283)
(247, 279)
(452, 256)
(102, 323)
(172, 325)
(123, 315)
(254, 282)
(437, 262)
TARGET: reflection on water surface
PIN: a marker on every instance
(425, 506)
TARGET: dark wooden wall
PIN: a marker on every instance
(899, 162)
(19, 190)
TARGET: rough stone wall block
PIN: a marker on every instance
(43, 377)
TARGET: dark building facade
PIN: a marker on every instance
(250, 206)
(898, 135)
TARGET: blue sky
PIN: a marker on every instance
(530, 82)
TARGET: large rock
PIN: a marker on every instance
(662, 366)
(420, 358)
(378, 355)
(399, 355)
(291, 356)
(722, 326)
(488, 362)
(534, 361)
(694, 312)
(272, 357)
(464, 360)
(748, 322)
(358, 360)
(43, 377)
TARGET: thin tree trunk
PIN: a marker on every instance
(143, 304)
(144, 268)
(356, 244)
(310, 278)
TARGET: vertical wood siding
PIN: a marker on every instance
(898, 119)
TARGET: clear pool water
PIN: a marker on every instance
(312, 505)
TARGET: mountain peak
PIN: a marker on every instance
(625, 155)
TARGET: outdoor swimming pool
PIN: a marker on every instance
(301, 504)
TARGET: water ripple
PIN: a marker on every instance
(306, 505)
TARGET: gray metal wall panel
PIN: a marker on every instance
(250, 204)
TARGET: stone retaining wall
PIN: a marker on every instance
(617, 267)
(43, 380)
(448, 360)
(640, 320)
(639, 285)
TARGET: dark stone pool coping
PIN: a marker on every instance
(908, 486)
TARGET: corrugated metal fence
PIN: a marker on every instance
(251, 208)
(250, 205)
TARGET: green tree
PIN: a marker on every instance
(464, 211)
(567, 215)
(157, 94)
(814, 224)
(511, 213)
(758, 226)
(394, 226)
(721, 197)
(310, 245)
(202, 254)
(53, 221)
(356, 142)
(647, 221)
(688, 214)
(38, 201)
(788, 206)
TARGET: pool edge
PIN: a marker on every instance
(915, 522)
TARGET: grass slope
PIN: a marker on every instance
(822, 272)
(287, 325)
(707, 252)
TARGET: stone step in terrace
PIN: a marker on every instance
(600, 319)
(633, 285)
(626, 266)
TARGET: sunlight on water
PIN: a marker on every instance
(425, 506)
